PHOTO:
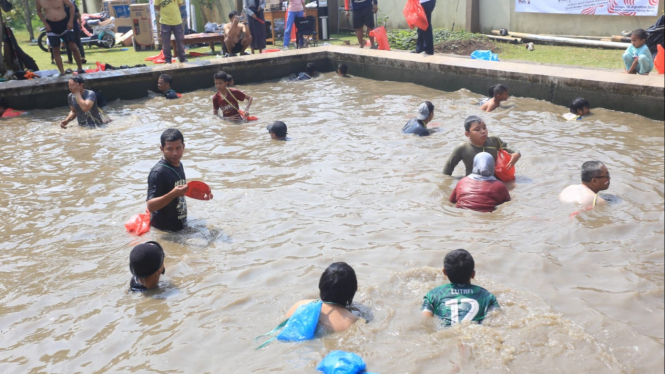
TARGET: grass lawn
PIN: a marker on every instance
(543, 54)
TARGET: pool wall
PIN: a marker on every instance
(643, 95)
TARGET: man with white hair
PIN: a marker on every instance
(595, 178)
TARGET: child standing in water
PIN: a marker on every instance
(497, 94)
(479, 141)
(459, 300)
(637, 57)
(228, 99)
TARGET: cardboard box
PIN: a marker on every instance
(142, 26)
(119, 9)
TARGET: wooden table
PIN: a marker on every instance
(197, 39)
(277, 14)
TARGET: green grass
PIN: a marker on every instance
(561, 55)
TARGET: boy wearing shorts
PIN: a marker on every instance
(363, 15)
(58, 19)
(459, 300)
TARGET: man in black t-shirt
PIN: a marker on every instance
(167, 185)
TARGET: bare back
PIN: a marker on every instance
(333, 318)
(579, 194)
(53, 10)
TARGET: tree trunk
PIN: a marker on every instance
(2, 46)
(28, 18)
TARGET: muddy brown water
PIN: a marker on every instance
(578, 295)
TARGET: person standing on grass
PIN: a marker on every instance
(171, 21)
(363, 15)
(295, 9)
(426, 38)
(59, 24)
(257, 24)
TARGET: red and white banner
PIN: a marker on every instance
(590, 7)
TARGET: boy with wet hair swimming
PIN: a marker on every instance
(164, 86)
(228, 99)
(578, 109)
(342, 69)
(637, 58)
(479, 141)
(337, 286)
(497, 94)
(146, 262)
(459, 300)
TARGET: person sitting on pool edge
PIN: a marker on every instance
(637, 58)
(418, 125)
(82, 105)
(167, 185)
(146, 262)
(578, 109)
(479, 141)
(595, 178)
(228, 99)
(337, 286)
(480, 190)
(277, 130)
(497, 94)
(238, 38)
(342, 70)
(459, 300)
(164, 86)
(307, 75)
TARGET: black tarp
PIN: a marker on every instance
(656, 35)
(15, 58)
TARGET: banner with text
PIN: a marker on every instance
(590, 7)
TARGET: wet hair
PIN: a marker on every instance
(78, 79)
(233, 14)
(459, 266)
(222, 76)
(343, 68)
(338, 284)
(309, 69)
(3, 102)
(641, 34)
(470, 121)
(590, 170)
(497, 89)
(171, 135)
(166, 78)
(579, 103)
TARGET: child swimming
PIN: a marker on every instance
(459, 300)
(418, 125)
(342, 70)
(479, 141)
(497, 94)
(637, 58)
(146, 262)
(228, 99)
(578, 109)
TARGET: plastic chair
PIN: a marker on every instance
(306, 34)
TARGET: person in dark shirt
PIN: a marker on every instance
(167, 185)
(164, 86)
(308, 74)
(83, 105)
(146, 262)
(418, 125)
(277, 130)
(363, 15)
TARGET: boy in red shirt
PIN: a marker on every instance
(228, 99)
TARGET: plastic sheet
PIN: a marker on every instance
(501, 170)
(302, 323)
(381, 37)
(415, 15)
(198, 190)
(139, 224)
(11, 113)
(340, 362)
(484, 55)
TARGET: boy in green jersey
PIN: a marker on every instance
(459, 300)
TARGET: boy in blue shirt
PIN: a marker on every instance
(459, 300)
(637, 58)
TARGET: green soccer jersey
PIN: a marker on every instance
(454, 303)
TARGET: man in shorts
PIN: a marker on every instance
(237, 38)
(363, 15)
(59, 24)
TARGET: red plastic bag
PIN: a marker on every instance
(139, 224)
(198, 190)
(381, 37)
(249, 118)
(659, 61)
(415, 15)
(501, 171)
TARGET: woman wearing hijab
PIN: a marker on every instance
(480, 190)
(257, 26)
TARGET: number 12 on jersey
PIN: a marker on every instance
(455, 306)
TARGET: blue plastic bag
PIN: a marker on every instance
(484, 55)
(302, 323)
(340, 362)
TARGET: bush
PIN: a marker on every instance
(406, 39)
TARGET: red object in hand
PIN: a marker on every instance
(415, 15)
(139, 224)
(199, 190)
(501, 170)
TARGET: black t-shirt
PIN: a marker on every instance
(415, 127)
(162, 179)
